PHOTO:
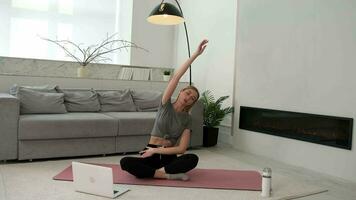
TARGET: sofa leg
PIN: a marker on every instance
(104, 155)
(4, 161)
(30, 160)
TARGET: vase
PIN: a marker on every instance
(82, 72)
(166, 77)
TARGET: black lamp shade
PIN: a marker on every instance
(165, 14)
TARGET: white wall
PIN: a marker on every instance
(297, 55)
(158, 40)
(215, 21)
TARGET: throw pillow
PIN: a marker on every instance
(82, 100)
(41, 88)
(146, 100)
(32, 102)
(116, 100)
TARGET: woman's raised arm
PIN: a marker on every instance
(172, 84)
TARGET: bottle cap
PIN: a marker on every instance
(267, 172)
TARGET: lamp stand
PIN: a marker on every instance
(186, 35)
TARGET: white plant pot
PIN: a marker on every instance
(166, 77)
(82, 72)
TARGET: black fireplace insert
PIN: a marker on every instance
(320, 129)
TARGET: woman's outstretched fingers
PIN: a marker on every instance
(202, 46)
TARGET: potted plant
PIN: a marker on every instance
(213, 115)
(166, 75)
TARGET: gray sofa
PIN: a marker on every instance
(49, 135)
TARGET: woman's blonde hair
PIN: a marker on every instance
(187, 108)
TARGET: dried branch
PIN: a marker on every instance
(94, 53)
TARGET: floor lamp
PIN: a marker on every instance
(168, 14)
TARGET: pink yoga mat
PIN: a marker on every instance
(198, 178)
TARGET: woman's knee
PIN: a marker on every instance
(135, 167)
(193, 159)
(126, 162)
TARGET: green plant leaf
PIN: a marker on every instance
(213, 113)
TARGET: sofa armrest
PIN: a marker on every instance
(9, 117)
(197, 125)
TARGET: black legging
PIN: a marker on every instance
(146, 167)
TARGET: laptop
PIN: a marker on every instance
(96, 180)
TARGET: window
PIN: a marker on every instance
(24, 22)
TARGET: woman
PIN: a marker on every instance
(170, 135)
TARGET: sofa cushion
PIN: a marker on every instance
(69, 125)
(146, 100)
(41, 88)
(32, 101)
(134, 123)
(116, 100)
(80, 100)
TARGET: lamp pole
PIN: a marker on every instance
(187, 37)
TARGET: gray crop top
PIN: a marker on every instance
(170, 124)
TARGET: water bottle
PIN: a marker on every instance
(266, 182)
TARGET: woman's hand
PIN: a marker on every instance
(201, 47)
(147, 152)
(179, 72)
